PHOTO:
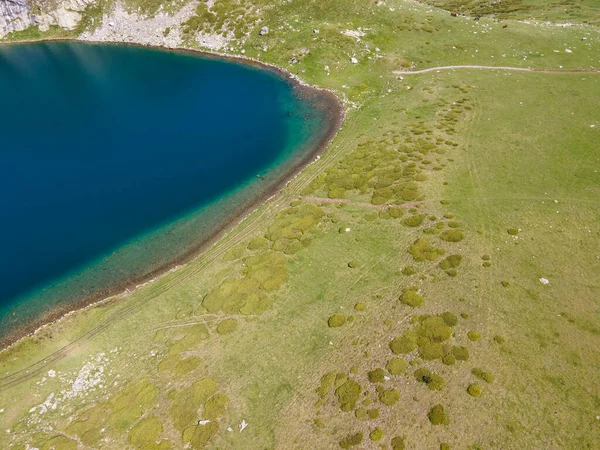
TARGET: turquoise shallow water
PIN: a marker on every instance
(116, 160)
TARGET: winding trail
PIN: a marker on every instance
(516, 69)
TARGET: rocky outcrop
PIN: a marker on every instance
(18, 15)
(14, 16)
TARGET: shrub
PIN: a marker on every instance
(483, 375)
(487, 264)
(474, 390)
(505, 283)
(486, 257)
(449, 359)
(437, 416)
(431, 351)
(454, 235)
(389, 397)
(376, 375)
(373, 413)
(403, 344)
(227, 326)
(414, 221)
(376, 434)
(409, 270)
(499, 339)
(454, 224)
(449, 319)
(398, 443)
(396, 366)
(337, 320)
(460, 353)
(361, 413)
(410, 297)
(327, 381)
(513, 231)
(287, 246)
(351, 440)
(353, 264)
(474, 336)
(422, 250)
(450, 262)
(360, 307)
(258, 242)
(348, 394)
(434, 329)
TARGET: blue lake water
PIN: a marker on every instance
(111, 157)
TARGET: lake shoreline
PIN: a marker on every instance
(335, 114)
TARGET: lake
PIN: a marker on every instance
(116, 161)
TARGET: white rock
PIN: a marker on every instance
(353, 60)
(203, 422)
(243, 425)
(544, 281)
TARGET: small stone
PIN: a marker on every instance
(544, 281)
(353, 60)
(263, 31)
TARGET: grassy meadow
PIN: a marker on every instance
(431, 282)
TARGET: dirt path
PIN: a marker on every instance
(516, 69)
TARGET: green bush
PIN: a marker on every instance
(227, 326)
(376, 435)
(460, 353)
(348, 394)
(410, 297)
(398, 443)
(431, 351)
(414, 221)
(373, 413)
(449, 319)
(513, 231)
(499, 339)
(351, 440)
(422, 250)
(437, 416)
(389, 397)
(376, 375)
(409, 270)
(396, 366)
(337, 320)
(403, 344)
(474, 336)
(454, 235)
(258, 243)
(450, 262)
(474, 390)
(360, 307)
(483, 375)
(353, 264)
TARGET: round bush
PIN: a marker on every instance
(351, 440)
(474, 390)
(474, 336)
(360, 307)
(398, 443)
(389, 397)
(403, 344)
(483, 375)
(449, 319)
(437, 416)
(337, 320)
(411, 298)
(376, 375)
(376, 434)
(227, 326)
(454, 235)
(396, 366)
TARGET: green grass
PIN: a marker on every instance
(287, 323)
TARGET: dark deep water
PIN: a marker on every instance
(110, 157)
